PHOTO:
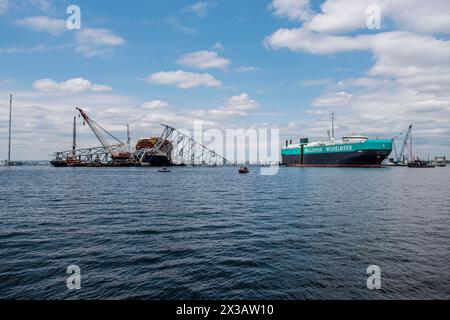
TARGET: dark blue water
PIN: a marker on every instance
(210, 233)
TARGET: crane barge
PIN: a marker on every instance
(115, 149)
(112, 151)
(401, 158)
(171, 148)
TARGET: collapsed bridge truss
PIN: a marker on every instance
(173, 146)
(182, 150)
(87, 155)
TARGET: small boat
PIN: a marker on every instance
(163, 170)
(243, 170)
(420, 164)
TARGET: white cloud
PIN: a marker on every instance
(37, 48)
(241, 102)
(155, 104)
(97, 42)
(409, 80)
(25, 5)
(236, 106)
(183, 79)
(8, 81)
(201, 8)
(48, 117)
(243, 69)
(299, 39)
(204, 60)
(422, 16)
(71, 85)
(44, 24)
(178, 26)
(315, 82)
(386, 107)
(4, 6)
(218, 46)
(43, 5)
(396, 52)
(337, 16)
(293, 9)
(418, 61)
(333, 100)
(10, 50)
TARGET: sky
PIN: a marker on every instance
(285, 64)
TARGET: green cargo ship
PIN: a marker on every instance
(351, 151)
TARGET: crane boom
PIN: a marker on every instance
(394, 150)
(102, 136)
(405, 142)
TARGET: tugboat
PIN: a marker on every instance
(243, 170)
(420, 164)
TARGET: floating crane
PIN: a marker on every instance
(172, 148)
(116, 148)
(406, 144)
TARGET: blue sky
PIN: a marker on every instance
(281, 63)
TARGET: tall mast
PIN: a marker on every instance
(332, 126)
(410, 144)
(9, 137)
(128, 138)
(74, 143)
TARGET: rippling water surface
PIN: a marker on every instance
(210, 233)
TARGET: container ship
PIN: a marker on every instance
(158, 159)
(350, 151)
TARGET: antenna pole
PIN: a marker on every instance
(74, 143)
(410, 143)
(128, 138)
(332, 126)
(9, 137)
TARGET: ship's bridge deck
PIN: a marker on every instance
(353, 139)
